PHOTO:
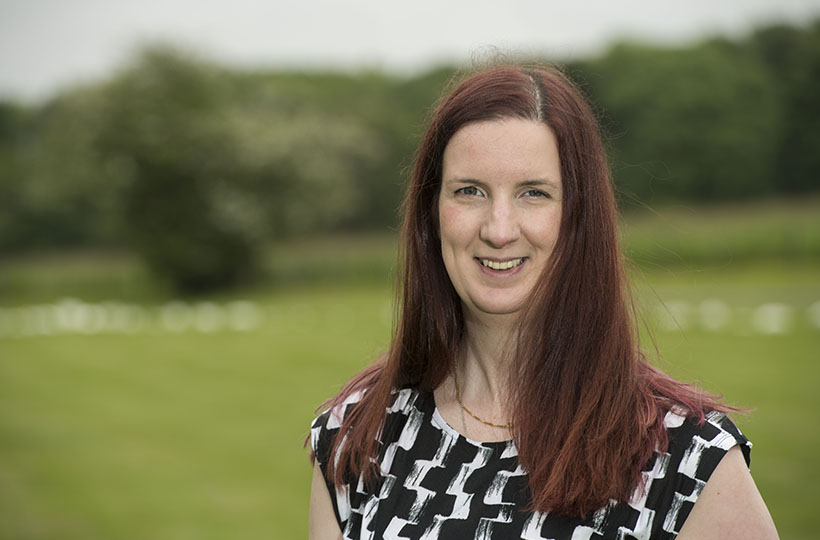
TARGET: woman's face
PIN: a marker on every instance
(499, 211)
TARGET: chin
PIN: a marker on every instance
(498, 308)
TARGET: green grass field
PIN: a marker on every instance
(162, 435)
(196, 435)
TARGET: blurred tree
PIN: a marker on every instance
(792, 56)
(53, 193)
(68, 199)
(13, 130)
(303, 145)
(367, 123)
(212, 162)
(195, 166)
(164, 142)
(697, 123)
(400, 119)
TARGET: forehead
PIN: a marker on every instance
(508, 149)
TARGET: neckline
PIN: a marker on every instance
(439, 420)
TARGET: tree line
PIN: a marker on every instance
(194, 165)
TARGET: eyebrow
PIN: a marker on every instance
(537, 182)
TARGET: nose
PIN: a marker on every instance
(501, 226)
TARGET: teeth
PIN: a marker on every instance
(497, 265)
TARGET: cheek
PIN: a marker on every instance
(454, 225)
(554, 227)
(544, 231)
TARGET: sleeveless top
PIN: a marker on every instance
(437, 484)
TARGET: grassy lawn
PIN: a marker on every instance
(776, 378)
(162, 435)
(176, 435)
(186, 435)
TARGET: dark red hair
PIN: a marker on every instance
(589, 408)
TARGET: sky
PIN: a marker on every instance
(49, 45)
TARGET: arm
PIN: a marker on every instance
(323, 524)
(730, 506)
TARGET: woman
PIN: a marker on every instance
(513, 401)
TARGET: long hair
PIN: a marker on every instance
(589, 409)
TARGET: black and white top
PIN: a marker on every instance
(437, 484)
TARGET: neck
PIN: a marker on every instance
(485, 357)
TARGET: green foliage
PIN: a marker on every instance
(346, 138)
(12, 212)
(49, 185)
(792, 57)
(65, 180)
(212, 162)
(194, 166)
(164, 142)
(304, 163)
(699, 123)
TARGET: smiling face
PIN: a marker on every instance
(499, 211)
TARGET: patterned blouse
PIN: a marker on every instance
(437, 484)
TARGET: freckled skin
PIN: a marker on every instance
(500, 200)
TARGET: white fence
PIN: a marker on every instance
(72, 316)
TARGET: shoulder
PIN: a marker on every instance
(698, 446)
(680, 473)
(325, 427)
(402, 401)
(346, 496)
(730, 506)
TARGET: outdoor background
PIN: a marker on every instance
(197, 241)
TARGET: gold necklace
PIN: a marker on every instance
(471, 413)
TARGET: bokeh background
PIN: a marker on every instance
(198, 207)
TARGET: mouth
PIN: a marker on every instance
(502, 265)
